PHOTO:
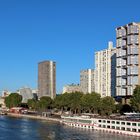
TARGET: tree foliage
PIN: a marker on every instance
(107, 106)
(135, 100)
(32, 104)
(13, 100)
(44, 103)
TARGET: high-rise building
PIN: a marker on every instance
(128, 59)
(105, 71)
(71, 88)
(87, 81)
(47, 79)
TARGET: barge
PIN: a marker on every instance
(118, 126)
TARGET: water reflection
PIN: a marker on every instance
(25, 129)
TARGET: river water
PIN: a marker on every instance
(29, 129)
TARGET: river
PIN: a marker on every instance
(28, 129)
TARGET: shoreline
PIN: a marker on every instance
(33, 117)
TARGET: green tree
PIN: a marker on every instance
(32, 103)
(13, 100)
(74, 102)
(135, 100)
(91, 102)
(107, 106)
(44, 103)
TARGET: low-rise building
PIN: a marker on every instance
(71, 88)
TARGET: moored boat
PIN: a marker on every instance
(119, 126)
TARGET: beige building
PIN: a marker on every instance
(128, 59)
(105, 71)
(47, 79)
(87, 81)
(71, 88)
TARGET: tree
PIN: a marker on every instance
(75, 102)
(13, 100)
(32, 103)
(44, 103)
(107, 106)
(91, 102)
(135, 100)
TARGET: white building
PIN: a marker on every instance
(87, 81)
(105, 71)
(128, 59)
(71, 88)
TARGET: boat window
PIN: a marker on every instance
(104, 126)
(123, 128)
(100, 121)
(118, 128)
(113, 127)
(139, 130)
(99, 125)
(123, 123)
(104, 121)
(138, 124)
(128, 123)
(108, 126)
(108, 121)
(134, 130)
(113, 122)
(118, 122)
(128, 129)
(133, 124)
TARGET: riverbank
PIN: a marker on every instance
(34, 117)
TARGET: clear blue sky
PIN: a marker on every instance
(66, 31)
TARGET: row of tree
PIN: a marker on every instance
(76, 103)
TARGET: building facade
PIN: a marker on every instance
(71, 88)
(87, 81)
(26, 94)
(128, 59)
(47, 79)
(105, 71)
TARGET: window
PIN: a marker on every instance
(104, 126)
(108, 121)
(128, 129)
(118, 122)
(123, 123)
(113, 122)
(108, 126)
(123, 128)
(134, 124)
(128, 123)
(113, 127)
(118, 128)
(134, 130)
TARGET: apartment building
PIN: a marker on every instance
(105, 71)
(47, 79)
(71, 88)
(128, 59)
(87, 81)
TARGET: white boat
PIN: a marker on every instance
(119, 126)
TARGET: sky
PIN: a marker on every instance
(68, 32)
